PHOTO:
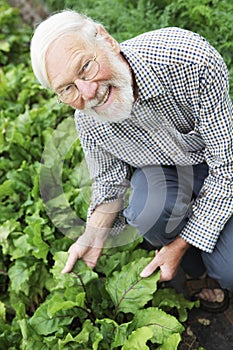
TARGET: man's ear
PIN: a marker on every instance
(103, 32)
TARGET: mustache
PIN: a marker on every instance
(102, 90)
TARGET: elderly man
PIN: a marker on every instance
(155, 111)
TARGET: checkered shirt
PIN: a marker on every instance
(183, 116)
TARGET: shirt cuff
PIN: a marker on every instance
(200, 235)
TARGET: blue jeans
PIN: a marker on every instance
(160, 206)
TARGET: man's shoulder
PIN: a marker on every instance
(163, 35)
(169, 44)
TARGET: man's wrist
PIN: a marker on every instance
(110, 207)
(104, 215)
(182, 244)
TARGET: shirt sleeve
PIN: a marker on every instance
(214, 205)
(110, 176)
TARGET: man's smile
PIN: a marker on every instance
(105, 97)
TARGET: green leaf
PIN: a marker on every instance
(171, 342)
(112, 332)
(6, 189)
(88, 338)
(2, 311)
(82, 201)
(80, 276)
(61, 281)
(39, 247)
(70, 339)
(4, 46)
(161, 323)
(168, 299)
(110, 261)
(80, 175)
(30, 340)
(44, 324)
(20, 309)
(23, 327)
(57, 303)
(28, 278)
(128, 291)
(19, 275)
(96, 340)
(6, 229)
(21, 247)
(121, 334)
(137, 340)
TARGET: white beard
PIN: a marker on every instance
(122, 82)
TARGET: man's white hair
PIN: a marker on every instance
(56, 25)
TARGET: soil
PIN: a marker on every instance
(208, 331)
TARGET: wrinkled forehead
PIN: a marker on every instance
(66, 43)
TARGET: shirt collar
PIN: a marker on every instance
(147, 81)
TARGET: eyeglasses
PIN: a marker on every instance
(88, 72)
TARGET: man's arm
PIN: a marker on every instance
(214, 204)
(89, 245)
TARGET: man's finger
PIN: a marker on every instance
(92, 257)
(150, 268)
(74, 255)
(70, 263)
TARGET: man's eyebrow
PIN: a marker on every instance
(79, 66)
(62, 86)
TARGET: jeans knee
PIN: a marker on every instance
(142, 221)
(224, 278)
(160, 226)
(220, 269)
(159, 203)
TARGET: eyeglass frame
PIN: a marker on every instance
(94, 59)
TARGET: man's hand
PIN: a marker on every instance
(88, 247)
(167, 259)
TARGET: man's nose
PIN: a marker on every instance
(87, 88)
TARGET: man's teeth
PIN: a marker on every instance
(106, 96)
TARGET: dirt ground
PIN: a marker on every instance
(209, 331)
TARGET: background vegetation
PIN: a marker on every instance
(39, 307)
